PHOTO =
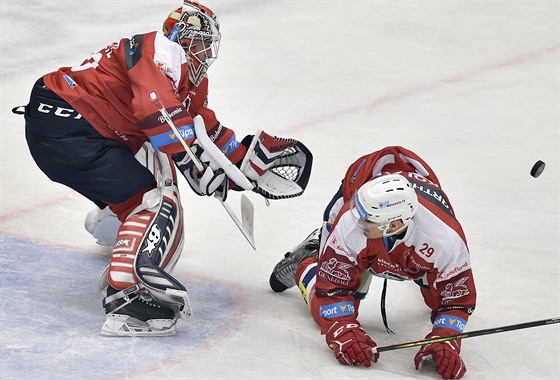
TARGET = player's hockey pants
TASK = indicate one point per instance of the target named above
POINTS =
(71, 152)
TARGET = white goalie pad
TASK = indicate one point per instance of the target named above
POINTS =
(150, 241)
(162, 243)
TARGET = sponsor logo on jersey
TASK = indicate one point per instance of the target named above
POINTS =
(230, 146)
(418, 265)
(393, 267)
(455, 290)
(339, 249)
(450, 322)
(186, 132)
(166, 138)
(335, 271)
(175, 112)
(215, 132)
(335, 310)
(454, 271)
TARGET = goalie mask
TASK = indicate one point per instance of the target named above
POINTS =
(196, 28)
(383, 200)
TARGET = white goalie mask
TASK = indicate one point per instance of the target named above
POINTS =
(196, 28)
(383, 200)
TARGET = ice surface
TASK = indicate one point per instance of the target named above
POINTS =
(472, 87)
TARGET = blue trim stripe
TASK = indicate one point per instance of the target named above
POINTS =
(230, 146)
(360, 207)
(309, 276)
(167, 138)
(174, 34)
(335, 310)
(450, 322)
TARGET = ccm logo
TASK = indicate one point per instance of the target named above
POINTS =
(59, 111)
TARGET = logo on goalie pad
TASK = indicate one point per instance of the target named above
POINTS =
(125, 242)
(152, 239)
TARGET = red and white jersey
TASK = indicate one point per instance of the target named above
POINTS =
(433, 251)
(111, 91)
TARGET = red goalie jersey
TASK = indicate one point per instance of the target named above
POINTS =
(111, 90)
(432, 251)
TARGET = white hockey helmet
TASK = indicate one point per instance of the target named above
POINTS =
(196, 28)
(384, 199)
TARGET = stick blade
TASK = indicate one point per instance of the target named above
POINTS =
(247, 216)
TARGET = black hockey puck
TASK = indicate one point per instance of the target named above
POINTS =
(537, 168)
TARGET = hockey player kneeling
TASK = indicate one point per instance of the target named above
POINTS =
(390, 218)
(94, 129)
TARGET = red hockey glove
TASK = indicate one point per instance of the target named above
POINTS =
(351, 344)
(447, 359)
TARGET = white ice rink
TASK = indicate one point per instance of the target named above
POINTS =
(473, 87)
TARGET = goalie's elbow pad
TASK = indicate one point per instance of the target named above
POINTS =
(279, 167)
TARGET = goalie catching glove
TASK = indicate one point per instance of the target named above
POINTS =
(351, 344)
(278, 167)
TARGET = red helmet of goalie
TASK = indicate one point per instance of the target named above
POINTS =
(196, 28)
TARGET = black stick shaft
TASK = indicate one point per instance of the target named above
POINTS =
(469, 334)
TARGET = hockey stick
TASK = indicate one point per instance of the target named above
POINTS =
(466, 335)
(246, 227)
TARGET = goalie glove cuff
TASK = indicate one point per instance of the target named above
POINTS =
(262, 153)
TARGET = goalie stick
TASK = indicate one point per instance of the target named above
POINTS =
(246, 225)
(470, 334)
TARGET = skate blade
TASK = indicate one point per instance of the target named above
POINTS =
(126, 326)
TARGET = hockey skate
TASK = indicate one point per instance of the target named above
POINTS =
(284, 273)
(130, 313)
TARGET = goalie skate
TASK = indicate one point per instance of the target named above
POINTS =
(124, 325)
(128, 313)
(284, 273)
